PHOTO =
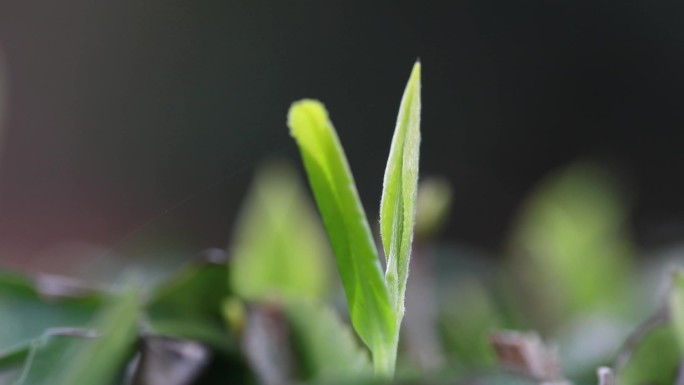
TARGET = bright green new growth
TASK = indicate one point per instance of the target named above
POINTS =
(398, 204)
(376, 304)
(345, 221)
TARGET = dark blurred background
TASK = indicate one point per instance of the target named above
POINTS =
(129, 121)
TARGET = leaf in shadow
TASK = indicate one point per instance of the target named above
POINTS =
(327, 348)
(266, 345)
(170, 361)
(67, 357)
(188, 305)
(29, 306)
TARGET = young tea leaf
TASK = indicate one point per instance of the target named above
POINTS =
(398, 204)
(333, 186)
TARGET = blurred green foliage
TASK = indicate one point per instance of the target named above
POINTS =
(27, 312)
(570, 271)
(285, 264)
(327, 347)
(188, 305)
(279, 249)
(60, 331)
(64, 360)
(466, 328)
(432, 206)
(570, 250)
(655, 359)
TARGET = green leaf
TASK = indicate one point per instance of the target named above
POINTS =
(570, 240)
(27, 311)
(398, 204)
(655, 359)
(467, 324)
(333, 186)
(12, 364)
(327, 348)
(68, 359)
(188, 305)
(43, 354)
(280, 250)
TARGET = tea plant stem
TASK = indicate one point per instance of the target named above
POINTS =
(384, 361)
